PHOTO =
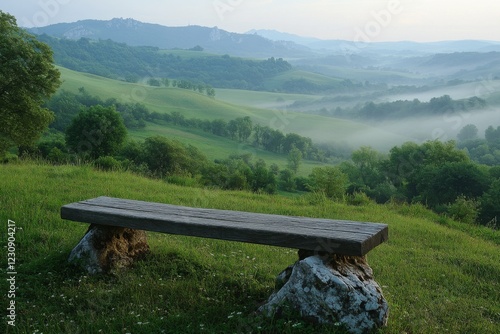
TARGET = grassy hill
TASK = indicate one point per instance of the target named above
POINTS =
(215, 147)
(194, 105)
(437, 275)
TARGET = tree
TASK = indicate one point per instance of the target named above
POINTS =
(329, 180)
(468, 132)
(164, 157)
(294, 159)
(27, 78)
(154, 82)
(245, 127)
(492, 136)
(405, 161)
(442, 185)
(490, 206)
(368, 163)
(96, 131)
(286, 180)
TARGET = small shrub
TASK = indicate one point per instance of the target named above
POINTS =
(107, 163)
(317, 198)
(56, 156)
(358, 199)
(183, 180)
(464, 210)
(9, 158)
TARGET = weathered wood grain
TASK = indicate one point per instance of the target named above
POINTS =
(326, 235)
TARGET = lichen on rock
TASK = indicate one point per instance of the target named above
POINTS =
(331, 289)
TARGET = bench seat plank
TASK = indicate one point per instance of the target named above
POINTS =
(333, 236)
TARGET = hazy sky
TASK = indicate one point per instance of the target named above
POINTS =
(368, 20)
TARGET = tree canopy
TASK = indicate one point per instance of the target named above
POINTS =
(97, 131)
(27, 78)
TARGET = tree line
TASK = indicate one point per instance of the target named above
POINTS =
(184, 84)
(119, 61)
(439, 175)
(482, 150)
(436, 174)
(67, 105)
(404, 108)
(97, 135)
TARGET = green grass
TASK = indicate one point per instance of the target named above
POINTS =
(260, 99)
(372, 75)
(436, 277)
(315, 78)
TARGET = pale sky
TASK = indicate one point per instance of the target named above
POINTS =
(367, 20)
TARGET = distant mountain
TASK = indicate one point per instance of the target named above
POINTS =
(215, 40)
(401, 46)
(275, 35)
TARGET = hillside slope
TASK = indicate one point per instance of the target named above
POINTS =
(193, 105)
(436, 279)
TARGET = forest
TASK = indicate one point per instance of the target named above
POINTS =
(119, 61)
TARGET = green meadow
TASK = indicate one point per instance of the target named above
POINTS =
(439, 276)
(216, 147)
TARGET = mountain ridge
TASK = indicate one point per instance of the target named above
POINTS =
(446, 46)
(254, 43)
(136, 33)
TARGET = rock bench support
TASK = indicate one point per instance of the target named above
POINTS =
(105, 249)
(330, 283)
(330, 288)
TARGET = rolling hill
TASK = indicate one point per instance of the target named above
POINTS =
(194, 105)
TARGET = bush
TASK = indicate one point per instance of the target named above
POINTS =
(464, 210)
(358, 199)
(56, 156)
(107, 163)
(329, 180)
(166, 157)
(490, 206)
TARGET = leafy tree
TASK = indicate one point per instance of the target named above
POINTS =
(210, 91)
(468, 132)
(263, 178)
(154, 82)
(493, 136)
(245, 127)
(96, 131)
(294, 159)
(287, 181)
(328, 180)
(405, 161)
(164, 157)
(232, 129)
(443, 184)
(489, 213)
(368, 163)
(27, 78)
(65, 106)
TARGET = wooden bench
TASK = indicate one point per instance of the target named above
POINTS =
(331, 282)
(312, 234)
